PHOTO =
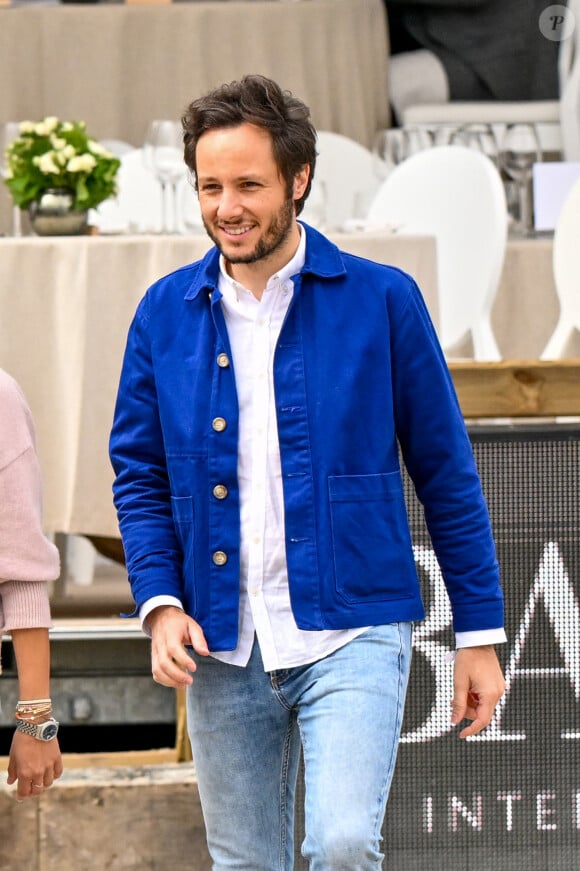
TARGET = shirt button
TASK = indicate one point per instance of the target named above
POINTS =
(220, 558)
(219, 424)
(223, 361)
(220, 491)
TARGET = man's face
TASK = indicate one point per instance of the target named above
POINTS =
(246, 208)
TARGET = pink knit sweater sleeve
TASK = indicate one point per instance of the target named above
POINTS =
(24, 605)
(27, 558)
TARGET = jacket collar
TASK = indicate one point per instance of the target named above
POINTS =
(323, 259)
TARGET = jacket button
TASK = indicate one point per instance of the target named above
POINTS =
(219, 424)
(223, 361)
(220, 558)
(220, 491)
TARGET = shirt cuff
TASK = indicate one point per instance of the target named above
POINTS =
(479, 637)
(156, 602)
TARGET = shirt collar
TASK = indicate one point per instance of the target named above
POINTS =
(229, 287)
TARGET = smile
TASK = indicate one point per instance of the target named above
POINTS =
(236, 231)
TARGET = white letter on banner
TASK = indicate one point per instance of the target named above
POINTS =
(439, 657)
(509, 798)
(551, 585)
(458, 809)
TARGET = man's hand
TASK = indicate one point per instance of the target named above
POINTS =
(171, 630)
(478, 685)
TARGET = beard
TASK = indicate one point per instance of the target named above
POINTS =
(271, 240)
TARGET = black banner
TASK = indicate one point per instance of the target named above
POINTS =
(509, 798)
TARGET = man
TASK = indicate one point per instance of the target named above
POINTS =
(264, 391)
(469, 50)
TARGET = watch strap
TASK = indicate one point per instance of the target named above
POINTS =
(35, 729)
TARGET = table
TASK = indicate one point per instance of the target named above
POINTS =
(119, 66)
(526, 306)
(65, 307)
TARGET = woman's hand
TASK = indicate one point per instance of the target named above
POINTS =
(33, 765)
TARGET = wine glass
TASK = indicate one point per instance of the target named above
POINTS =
(416, 138)
(520, 149)
(444, 134)
(10, 131)
(163, 155)
(190, 206)
(388, 151)
(480, 137)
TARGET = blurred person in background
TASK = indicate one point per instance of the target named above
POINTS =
(28, 560)
(469, 50)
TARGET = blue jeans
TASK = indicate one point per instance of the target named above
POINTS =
(246, 727)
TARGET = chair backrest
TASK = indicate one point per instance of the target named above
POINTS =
(455, 194)
(347, 172)
(118, 147)
(566, 266)
(138, 205)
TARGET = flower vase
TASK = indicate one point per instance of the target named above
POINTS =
(53, 214)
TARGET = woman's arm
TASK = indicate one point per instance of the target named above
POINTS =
(33, 764)
(27, 561)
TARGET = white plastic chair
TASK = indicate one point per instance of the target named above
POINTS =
(118, 147)
(455, 194)
(566, 266)
(346, 170)
(138, 205)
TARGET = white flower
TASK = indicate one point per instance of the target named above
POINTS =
(27, 127)
(46, 127)
(46, 163)
(83, 163)
(69, 151)
(97, 148)
(57, 143)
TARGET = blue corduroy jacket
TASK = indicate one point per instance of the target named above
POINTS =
(358, 370)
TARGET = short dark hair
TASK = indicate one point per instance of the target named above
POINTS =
(260, 101)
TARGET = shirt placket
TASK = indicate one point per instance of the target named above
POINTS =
(262, 408)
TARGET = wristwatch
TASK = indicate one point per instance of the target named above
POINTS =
(42, 731)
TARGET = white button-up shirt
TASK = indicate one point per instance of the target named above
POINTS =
(265, 612)
(253, 328)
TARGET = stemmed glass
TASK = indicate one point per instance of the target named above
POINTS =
(388, 151)
(163, 155)
(10, 131)
(520, 149)
(480, 137)
(416, 138)
(190, 207)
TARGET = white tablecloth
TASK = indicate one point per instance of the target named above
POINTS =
(118, 66)
(65, 307)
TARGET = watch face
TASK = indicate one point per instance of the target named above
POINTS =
(49, 731)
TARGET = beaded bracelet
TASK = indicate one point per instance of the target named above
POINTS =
(28, 702)
(33, 709)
